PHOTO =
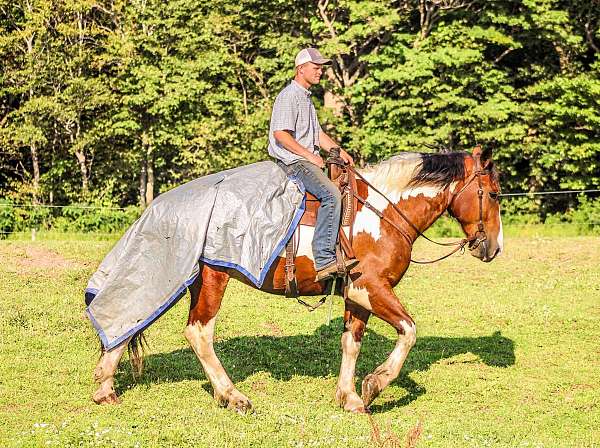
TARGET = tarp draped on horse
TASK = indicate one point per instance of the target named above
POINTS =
(239, 219)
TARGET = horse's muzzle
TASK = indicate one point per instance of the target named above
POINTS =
(484, 252)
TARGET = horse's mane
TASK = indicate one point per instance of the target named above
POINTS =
(411, 169)
(440, 169)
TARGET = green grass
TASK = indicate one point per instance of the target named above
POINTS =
(507, 355)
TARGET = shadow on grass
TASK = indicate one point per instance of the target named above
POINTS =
(319, 355)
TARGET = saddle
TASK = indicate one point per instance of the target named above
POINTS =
(344, 178)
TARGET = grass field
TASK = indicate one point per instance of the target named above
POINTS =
(508, 355)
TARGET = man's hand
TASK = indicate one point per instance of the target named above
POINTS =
(346, 157)
(327, 143)
(316, 159)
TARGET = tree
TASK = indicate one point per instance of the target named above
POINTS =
(27, 51)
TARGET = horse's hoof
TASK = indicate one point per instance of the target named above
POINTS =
(370, 389)
(350, 402)
(235, 401)
(110, 398)
(242, 406)
(357, 410)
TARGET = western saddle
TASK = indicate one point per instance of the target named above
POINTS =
(342, 176)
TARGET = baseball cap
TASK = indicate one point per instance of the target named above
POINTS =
(310, 55)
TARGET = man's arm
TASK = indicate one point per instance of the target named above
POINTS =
(326, 142)
(288, 142)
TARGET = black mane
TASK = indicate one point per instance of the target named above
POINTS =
(440, 169)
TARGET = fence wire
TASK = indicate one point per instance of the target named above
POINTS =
(94, 207)
(547, 193)
(77, 207)
(104, 234)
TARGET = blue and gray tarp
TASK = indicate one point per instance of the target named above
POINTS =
(240, 218)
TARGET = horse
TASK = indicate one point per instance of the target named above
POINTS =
(402, 196)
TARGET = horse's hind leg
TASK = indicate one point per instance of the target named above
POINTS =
(355, 321)
(104, 374)
(207, 292)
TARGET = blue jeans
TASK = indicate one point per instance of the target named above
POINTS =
(328, 217)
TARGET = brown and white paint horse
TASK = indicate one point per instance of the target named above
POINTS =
(423, 186)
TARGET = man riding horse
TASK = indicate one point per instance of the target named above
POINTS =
(398, 199)
(295, 137)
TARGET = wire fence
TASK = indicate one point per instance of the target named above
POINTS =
(98, 207)
(75, 207)
(548, 193)
(35, 226)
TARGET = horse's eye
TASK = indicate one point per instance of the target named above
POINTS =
(494, 195)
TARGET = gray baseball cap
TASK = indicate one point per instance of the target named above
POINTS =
(310, 55)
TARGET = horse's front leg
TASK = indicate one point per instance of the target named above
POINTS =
(385, 305)
(355, 321)
(206, 294)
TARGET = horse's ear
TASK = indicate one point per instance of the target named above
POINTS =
(484, 155)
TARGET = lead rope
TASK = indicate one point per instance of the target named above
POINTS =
(323, 299)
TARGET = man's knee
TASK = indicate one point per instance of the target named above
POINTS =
(333, 194)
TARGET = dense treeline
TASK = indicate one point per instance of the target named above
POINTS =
(114, 101)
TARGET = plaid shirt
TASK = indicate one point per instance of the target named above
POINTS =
(294, 111)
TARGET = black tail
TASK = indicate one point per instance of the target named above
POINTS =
(137, 350)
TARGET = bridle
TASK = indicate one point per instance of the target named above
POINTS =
(480, 236)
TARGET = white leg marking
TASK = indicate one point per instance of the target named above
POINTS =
(346, 394)
(200, 338)
(104, 374)
(390, 369)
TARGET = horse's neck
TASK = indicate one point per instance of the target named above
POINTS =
(423, 210)
(421, 205)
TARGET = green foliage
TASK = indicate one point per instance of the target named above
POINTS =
(79, 218)
(144, 95)
(521, 210)
(585, 218)
(445, 227)
(7, 218)
(73, 218)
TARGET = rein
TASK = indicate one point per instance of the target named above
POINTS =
(473, 242)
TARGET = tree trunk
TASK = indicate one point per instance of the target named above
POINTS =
(81, 159)
(564, 60)
(36, 172)
(143, 179)
(147, 174)
(333, 101)
(149, 180)
(35, 161)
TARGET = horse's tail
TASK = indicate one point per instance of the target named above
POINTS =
(137, 350)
